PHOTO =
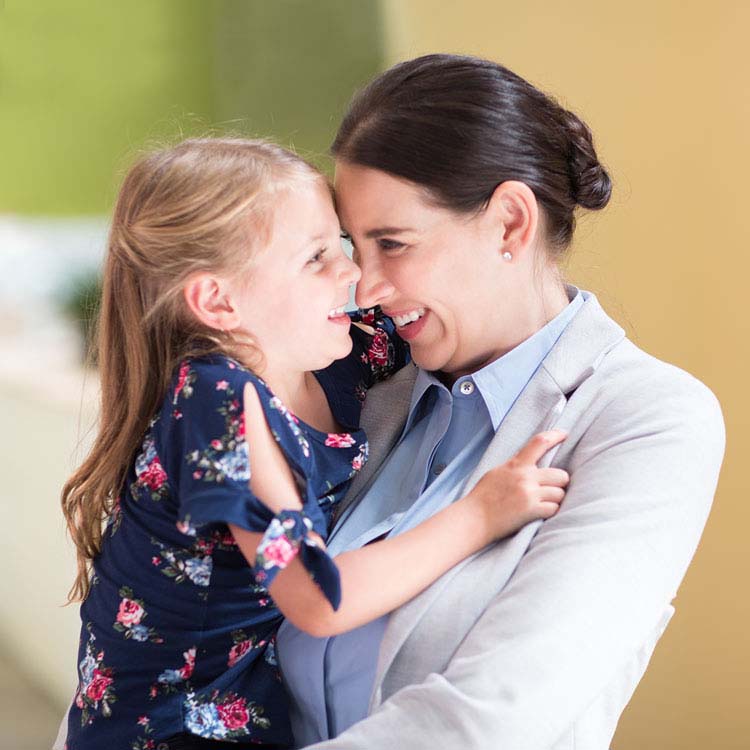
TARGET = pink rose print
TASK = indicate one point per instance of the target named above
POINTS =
(339, 440)
(154, 476)
(205, 546)
(238, 651)
(98, 686)
(186, 670)
(358, 462)
(216, 445)
(378, 351)
(280, 551)
(241, 428)
(181, 379)
(225, 538)
(234, 715)
(130, 613)
(143, 720)
(222, 385)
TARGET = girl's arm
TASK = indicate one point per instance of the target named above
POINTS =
(380, 577)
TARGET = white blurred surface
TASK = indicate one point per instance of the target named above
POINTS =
(48, 406)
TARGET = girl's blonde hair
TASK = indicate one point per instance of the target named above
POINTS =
(203, 205)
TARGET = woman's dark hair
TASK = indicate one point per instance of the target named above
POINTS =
(460, 126)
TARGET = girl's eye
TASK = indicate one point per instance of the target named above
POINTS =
(318, 257)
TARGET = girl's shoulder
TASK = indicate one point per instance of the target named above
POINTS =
(209, 392)
(214, 372)
(213, 380)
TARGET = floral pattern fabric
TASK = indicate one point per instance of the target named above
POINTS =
(288, 537)
(178, 631)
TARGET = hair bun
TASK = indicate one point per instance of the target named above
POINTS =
(591, 185)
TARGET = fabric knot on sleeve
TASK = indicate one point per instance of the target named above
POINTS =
(286, 537)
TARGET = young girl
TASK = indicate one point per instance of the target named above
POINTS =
(231, 393)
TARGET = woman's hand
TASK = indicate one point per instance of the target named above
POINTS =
(519, 491)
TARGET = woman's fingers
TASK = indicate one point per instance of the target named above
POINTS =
(532, 452)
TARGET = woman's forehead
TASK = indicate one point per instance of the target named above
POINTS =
(375, 200)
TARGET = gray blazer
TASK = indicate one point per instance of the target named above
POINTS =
(538, 642)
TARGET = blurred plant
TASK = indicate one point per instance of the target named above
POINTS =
(80, 303)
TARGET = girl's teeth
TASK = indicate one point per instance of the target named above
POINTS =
(335, 313)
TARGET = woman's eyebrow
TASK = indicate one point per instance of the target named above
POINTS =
(374, 234)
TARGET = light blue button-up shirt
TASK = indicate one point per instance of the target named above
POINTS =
(447, 431)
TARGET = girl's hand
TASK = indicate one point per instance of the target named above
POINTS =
(519, 491)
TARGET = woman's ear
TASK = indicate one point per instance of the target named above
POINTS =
(209, 298)
(514, 206)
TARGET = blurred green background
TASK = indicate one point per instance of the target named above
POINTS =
(84, 84)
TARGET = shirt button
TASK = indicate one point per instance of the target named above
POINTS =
(439, 469)
(467, 388)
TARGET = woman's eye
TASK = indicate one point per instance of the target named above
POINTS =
(385, 244)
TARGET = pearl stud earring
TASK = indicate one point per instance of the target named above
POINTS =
(507, 256)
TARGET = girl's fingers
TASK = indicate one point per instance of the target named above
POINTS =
(555, 477)
(548, 494)
(547, 510)
(532, 452)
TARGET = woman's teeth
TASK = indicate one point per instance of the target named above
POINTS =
(337, 311)
(403, 320)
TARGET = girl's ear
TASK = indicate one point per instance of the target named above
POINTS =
(515, 208)
(209, 298)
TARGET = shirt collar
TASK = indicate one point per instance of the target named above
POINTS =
(501, 382)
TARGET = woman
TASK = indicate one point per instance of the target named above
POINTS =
(458, 183)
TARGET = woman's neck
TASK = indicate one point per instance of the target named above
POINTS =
(531, 311)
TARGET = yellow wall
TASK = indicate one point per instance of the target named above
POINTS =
(664, 87)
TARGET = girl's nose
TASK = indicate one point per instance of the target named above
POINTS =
(373, 288)
(351, 273)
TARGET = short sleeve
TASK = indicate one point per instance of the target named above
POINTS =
(207, 456)
(208, 462)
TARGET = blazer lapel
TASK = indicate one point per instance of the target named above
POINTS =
(536, 409)
(575, 356)
(383, 416)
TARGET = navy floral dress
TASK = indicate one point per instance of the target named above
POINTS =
(178, 630)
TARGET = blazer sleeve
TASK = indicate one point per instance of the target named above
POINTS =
(589, 591)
